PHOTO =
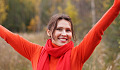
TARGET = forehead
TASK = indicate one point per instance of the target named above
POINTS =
(64, 23)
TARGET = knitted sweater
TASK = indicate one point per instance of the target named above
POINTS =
(79, 54)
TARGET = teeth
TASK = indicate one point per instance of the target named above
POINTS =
(63, 39)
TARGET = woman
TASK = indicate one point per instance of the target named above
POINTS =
(58, 52)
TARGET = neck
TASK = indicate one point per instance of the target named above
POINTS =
(55, 46)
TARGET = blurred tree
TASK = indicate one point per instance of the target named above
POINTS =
(93, 12)
(35, 27)
(33, 24)
(72, 12)
(44, 12)
(19, 15)
(3, 11)
(84, 12)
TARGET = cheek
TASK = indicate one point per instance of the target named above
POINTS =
(56, 34)
(70, 35)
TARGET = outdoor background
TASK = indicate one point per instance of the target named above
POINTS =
(29, 18)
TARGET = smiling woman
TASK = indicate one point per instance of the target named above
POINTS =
(52, 25)
(59, 52)
(62, 33)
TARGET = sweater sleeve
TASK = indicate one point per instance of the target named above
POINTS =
(94, 36)
(22, 46)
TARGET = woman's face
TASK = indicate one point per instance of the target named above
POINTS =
(63, 33)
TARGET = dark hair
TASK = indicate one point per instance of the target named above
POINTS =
(52, 24)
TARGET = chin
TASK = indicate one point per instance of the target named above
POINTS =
(62, 44)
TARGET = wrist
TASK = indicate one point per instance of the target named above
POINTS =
(115, 8)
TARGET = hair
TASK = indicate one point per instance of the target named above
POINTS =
(52, 24)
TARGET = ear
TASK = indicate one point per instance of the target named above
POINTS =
(49, 33)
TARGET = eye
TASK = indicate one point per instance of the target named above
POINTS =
(60, 29)
(68, 30)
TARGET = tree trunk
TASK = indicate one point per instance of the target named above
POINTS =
(38, 9)
(93, 12)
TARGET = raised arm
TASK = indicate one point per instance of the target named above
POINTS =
(25, 48)
(94, 36)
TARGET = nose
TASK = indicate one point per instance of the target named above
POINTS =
(64, 33)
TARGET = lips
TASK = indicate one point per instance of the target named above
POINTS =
(63, 39)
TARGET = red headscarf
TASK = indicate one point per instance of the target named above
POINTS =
(64, 52)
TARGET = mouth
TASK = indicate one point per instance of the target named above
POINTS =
(63, 39)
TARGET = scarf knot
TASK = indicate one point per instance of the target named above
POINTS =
(63, 52)
(57, 52)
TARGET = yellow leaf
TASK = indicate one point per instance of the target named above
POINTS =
(3, 12)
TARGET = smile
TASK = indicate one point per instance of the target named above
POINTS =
(63, 39)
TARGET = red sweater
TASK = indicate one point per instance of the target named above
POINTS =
(79, 53)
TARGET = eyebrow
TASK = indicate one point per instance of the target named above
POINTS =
(63, 27)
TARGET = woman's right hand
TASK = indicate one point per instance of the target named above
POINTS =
(117, 4)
